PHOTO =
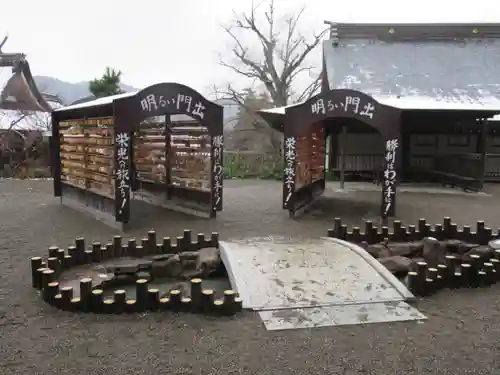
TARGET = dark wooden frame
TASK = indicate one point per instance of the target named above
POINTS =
(495, 140)
(435, 142)
(458, 144)
(333, 104)
(403, 32)
(128, 112)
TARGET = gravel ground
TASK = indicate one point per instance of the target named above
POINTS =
(462, 334)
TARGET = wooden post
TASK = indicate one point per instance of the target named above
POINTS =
(405, 157)
(122, 155)
(328, 150)
(290, 171)
(481, 149)
(134, 181)
(55, 151)
(343, 138)
(334, 150)
(217, 172)
(168, 164)
(390, 177)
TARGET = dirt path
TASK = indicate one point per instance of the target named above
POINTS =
(462, 335)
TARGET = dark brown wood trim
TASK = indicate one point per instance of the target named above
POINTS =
(415, 31)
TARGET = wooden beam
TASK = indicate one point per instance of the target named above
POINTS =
(343, 137)
(481, 149)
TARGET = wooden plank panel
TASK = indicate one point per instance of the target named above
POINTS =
(87, 148)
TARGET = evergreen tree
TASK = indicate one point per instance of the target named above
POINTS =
(108, 84)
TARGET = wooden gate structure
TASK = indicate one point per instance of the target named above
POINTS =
(100, 149)
(305, 130)
(306, 126)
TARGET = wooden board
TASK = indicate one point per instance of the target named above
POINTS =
(311, 152)
(87, 149)
(188, 159)
(149, 154)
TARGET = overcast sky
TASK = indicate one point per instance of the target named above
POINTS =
(153, 41)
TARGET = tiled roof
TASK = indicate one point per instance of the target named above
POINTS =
(442, 69)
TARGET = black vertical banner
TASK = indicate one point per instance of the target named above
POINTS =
(123, 145)
(134, 181)
(391, 157)
(217, 171)
(289, 172)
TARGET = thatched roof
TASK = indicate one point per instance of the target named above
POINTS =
(18, 90)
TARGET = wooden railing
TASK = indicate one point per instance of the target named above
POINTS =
(422, 162)
(360, 163)
(463, 165)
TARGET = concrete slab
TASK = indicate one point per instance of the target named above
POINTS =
(155, 200)
(285, 273)
(416, 188)
(314, 282)
(378, 312)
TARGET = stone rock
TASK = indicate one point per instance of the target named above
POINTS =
(106, 284)
(191, 274)
(162, 257)
(464, 247)
(125, 269)
(406, 249)
(160, 269)
(189, 264)
(174, 266)
(433, 252)
(110, 268)
(451, 246)
(188, 255)
(378, 250)
(220, 271)
(124, 279)
(145, 265)
(495, 244)
(209, 262)
(417, 259)
(397, 265)
(485, 252)
(100, 276)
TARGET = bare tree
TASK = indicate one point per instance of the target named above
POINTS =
(278, 63)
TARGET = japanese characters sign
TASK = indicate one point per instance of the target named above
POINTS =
(179, 103)
(218, 172)
(289, 172)
(389, 178)
(349, 104)
(122, 172)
